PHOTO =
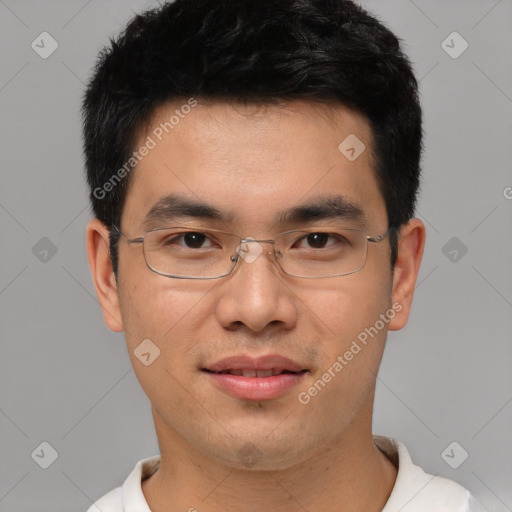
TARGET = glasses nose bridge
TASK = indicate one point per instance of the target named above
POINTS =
(244, 252)
(258, 241)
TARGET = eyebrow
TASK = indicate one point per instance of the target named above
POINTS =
(325, 208)
(173, 207)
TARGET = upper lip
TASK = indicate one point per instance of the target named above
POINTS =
(245, 362)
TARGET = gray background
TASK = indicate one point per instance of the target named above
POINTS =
(67, 380)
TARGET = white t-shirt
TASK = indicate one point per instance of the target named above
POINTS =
(414, 490)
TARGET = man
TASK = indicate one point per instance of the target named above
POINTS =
(253, 169)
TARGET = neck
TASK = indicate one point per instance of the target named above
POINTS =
(351, 475)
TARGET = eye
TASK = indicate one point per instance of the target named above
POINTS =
(319, 240)
(189, 240)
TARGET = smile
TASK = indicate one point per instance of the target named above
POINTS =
(263, 378)
(255, 373)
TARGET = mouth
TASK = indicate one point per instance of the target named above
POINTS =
(263, 378)
(249, 372)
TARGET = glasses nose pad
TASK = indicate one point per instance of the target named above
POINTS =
(249, 249)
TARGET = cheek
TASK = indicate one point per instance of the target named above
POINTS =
(171, 315)
(352, 339)
(347, 306)
(351, 334)
(158, 320)
(167, 311)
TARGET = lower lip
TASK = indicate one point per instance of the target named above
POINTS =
(256, 388)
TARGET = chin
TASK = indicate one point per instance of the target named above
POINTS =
(262, 449)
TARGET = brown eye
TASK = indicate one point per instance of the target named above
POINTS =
(317, 240)
(187, 240)
(194, 240)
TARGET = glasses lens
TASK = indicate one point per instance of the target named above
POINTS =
(196, 253)
(323, 252)
(189, 252)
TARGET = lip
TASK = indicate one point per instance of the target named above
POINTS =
(267, 362)
(256, 387)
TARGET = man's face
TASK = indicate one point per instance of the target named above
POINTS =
(251, 164)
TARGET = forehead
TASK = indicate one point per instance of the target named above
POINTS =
(252, 162)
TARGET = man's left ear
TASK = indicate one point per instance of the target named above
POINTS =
(411, 241)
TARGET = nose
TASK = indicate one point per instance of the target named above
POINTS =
(256, 295)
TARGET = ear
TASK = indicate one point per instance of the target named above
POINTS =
(411, 242)
(102, 272)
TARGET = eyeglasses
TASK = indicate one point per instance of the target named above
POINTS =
(199, 253)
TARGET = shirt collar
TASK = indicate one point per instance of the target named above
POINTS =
(133, 498)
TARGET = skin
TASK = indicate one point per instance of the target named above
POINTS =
(252, 162)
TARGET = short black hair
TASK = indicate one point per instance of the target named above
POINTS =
(253, 51)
